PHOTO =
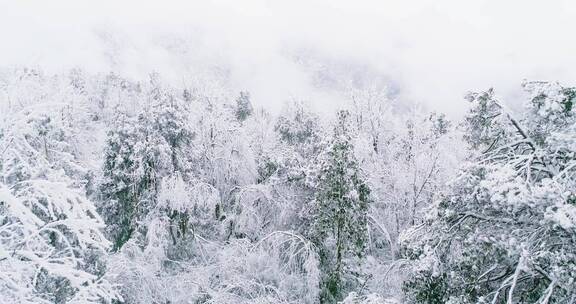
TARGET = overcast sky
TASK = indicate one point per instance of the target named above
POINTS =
(431, 52)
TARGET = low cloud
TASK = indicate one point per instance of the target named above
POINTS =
(430, 52)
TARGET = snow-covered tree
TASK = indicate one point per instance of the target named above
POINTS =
(340, 215)
(139, 152)
(123, 183)
(243, 106)
(504, 231)
(52, 246)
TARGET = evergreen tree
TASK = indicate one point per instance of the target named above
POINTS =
(139, 153)
(123, 183)
(340, 214)
(243, 106)
(297, 126)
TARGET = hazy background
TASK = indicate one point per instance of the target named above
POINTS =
(431, 52)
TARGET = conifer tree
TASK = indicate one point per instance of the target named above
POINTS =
(340, 215)
(123, 183)
(243, 106)
(139, 153)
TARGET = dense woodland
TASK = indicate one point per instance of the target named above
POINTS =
(121, 191)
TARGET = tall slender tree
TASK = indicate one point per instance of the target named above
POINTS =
(340, 215)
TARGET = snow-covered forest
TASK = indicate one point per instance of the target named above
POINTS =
(119, 191)
(287, 152)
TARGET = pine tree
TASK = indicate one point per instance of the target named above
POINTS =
(139, 153)
(340, 215)
(243, 106)
(123, 183)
